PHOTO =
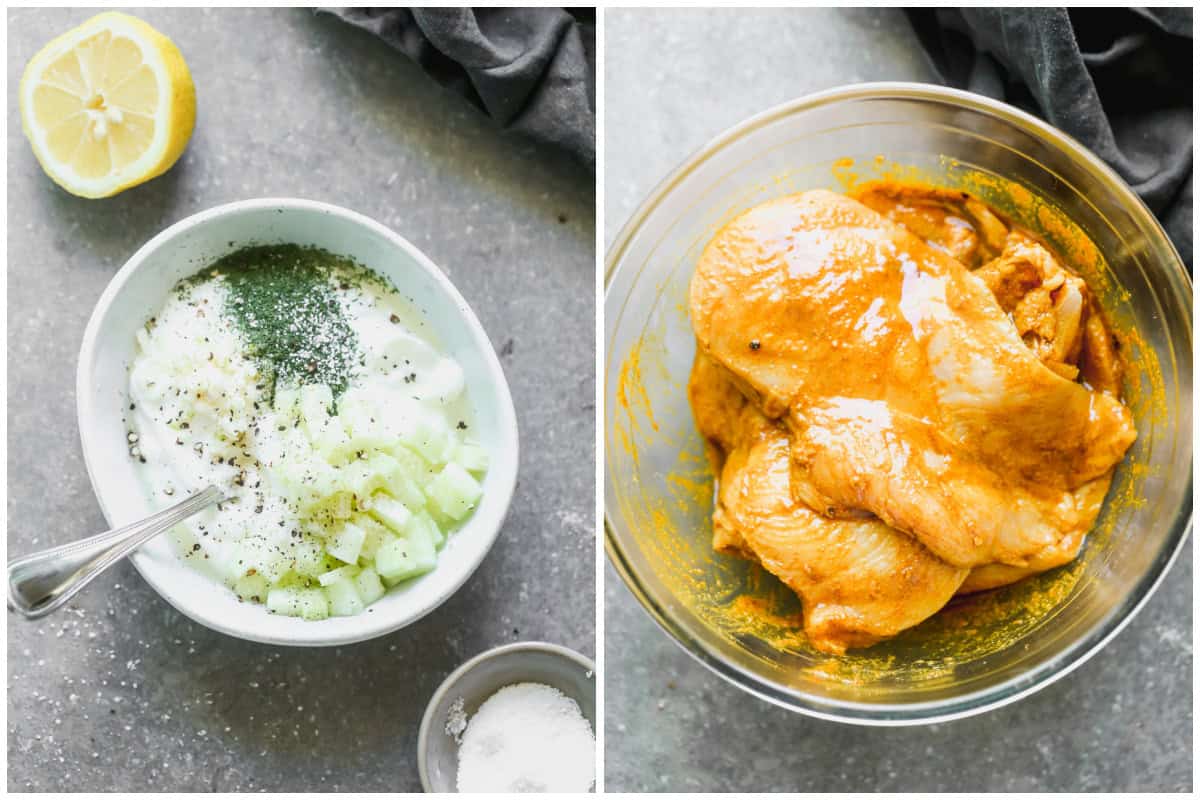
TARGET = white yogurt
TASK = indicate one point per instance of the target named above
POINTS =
(200, 413)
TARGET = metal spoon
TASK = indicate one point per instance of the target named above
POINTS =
(40, 583)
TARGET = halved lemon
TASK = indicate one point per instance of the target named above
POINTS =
(107, 105)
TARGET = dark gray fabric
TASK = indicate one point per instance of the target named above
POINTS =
(532, 70)
(1117, 79)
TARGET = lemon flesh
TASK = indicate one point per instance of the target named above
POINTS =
(107, 105)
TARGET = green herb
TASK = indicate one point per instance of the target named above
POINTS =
(284, 301)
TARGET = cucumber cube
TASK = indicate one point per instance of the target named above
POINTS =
(316, 402)
(305, 481)
(313, 604)
(343, 598)
(429, 436)
(411, 462)
(425, 523)
(405, 558)
(331, 439)
(377, 535)
(252, 587)
(359, 416)
(380, 471)
(346, 544)
(472, 457)
(455, 492)
(390, 512)
(310, 604)
(253, 553)
(285, 601)
(340, 505)
(307, 556)
(287, 401)
(340, 574)
(405, 489)
(369, 587)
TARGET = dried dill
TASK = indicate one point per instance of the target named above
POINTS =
(284, 302)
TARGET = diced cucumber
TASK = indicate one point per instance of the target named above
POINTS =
(287, 401)
(429, 436)
(377, 535)
(412, 463)
(390, 512)
(376, 490)
(472, 457)
(340, 505)
(359, 415)
(343, 598)
(311, 604)
(425, 523)
(443, 520)
(455, 492)
(252, 587)
(331, 439)
(405, 558)
(316, 404)
(364, 477)
(252, 553)
(284, 600)
(405, 489)
(397, 478)
(307, 556)
(307, 482)
(369, 587)
(314, 604)
(340, 574)
(347, 543)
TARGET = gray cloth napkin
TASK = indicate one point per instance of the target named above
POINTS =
(1117, 79)
(532, 70)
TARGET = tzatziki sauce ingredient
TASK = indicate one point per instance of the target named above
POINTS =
(527, 737)
(306, 388)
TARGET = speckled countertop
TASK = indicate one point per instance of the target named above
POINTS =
(121, 693)
(1120, 722)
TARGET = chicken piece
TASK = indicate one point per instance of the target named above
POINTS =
(1089, 498)
(859, 581)
(1100, 365)
(904, 386)
(1048, 304)
(951, 221)
(857, 455)
(717, 405)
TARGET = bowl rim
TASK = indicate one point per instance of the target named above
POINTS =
(558, 650)
(981, 700)
(86, 413)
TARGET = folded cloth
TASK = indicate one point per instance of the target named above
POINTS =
(532, 70)
(1117, 79)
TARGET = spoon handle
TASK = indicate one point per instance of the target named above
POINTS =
(41, 582)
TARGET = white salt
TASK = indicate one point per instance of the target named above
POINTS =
(527, 737)
(456, 720)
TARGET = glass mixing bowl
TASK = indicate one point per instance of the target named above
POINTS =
(982, 651)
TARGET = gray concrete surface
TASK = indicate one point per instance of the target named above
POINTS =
(120, 692)
(1123, 721)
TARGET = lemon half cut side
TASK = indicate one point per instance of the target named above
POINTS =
(107, 105)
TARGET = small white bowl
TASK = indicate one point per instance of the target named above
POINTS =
(139, 290)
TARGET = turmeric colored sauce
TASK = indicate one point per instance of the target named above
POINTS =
(749, 606)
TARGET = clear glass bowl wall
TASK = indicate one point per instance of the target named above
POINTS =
(741, 622)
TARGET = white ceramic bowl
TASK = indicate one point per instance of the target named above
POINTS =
(139, 290)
